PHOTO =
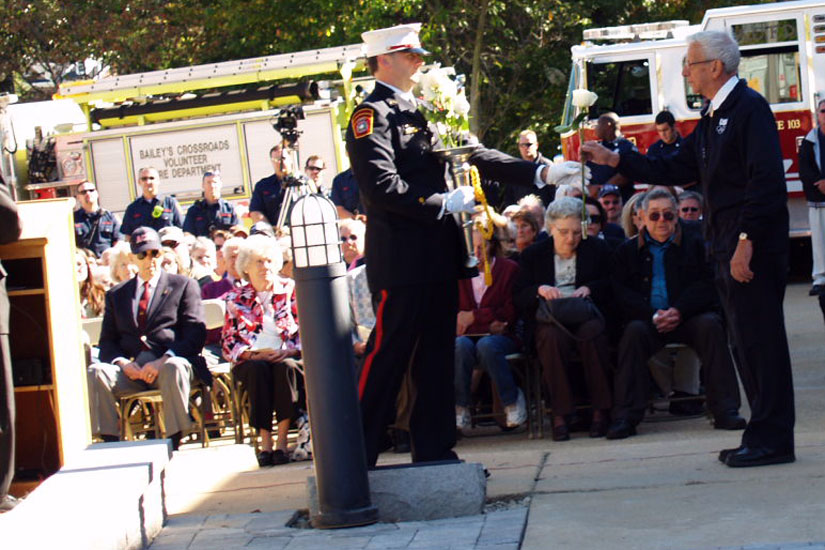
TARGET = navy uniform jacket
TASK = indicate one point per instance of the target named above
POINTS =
(400, 180)
(267, 197)
(202, 217)
(97, 231)
(660, 149)
(345, 192)
(514, 193)
(141, 213)
(736, 157)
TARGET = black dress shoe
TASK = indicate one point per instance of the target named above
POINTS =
(723, 454)
(279, 457)
(598, 428)
(816, 290)
(621, 429)
(561, 433)
(729, 421)
(758, 456)
(400, 441)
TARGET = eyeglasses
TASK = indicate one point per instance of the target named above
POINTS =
(150, 253)
(86, 191)
(688, 64)
(351, 238)
(315, 168)
(526, 144)
(596, 218)
(668, 216)
(686, 209)
(170, 244)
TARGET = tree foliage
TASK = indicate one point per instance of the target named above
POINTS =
(516, 53)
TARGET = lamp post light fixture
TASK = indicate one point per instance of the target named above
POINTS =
(323, 310)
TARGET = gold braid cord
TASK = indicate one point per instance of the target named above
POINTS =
(485, 228)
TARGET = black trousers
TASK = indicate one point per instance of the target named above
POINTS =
(757, 325)
(640, 341)
(268, 389)
(414, 329)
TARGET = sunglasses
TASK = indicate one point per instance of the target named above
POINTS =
(596, 218)
(314, 168)
(86, 191)
(150, 253)
(526, 144)
(351, 237)
(668, 216)
(686, 209)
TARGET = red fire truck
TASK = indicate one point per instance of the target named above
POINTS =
(636, 71)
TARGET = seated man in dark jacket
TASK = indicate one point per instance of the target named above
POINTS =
(153, 330)
(664, 286)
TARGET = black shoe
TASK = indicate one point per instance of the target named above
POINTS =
(723, 454)
(265, 459)
(816, 290)
(175, 437)
(401, 441)
(109, 438)
(279, 457)
(598, 428)
(561, 433)
(729, 421)
(621, 429)
(758, 456)
(686, 407)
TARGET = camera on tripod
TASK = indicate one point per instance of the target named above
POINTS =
(286, 124)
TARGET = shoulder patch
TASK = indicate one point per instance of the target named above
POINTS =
(362, 122)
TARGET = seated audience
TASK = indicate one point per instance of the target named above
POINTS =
(664, 286)
(204, 261)
(172, 237)
(690, 206)
(92, 292)
(260, 336)
(484, 329)
(598, 225)
(526, 229)
(352, 233)
(611, 199)
(566, 266)
(152, 333)
(231, 278)
(533, 205)
(121, 267)
(631, 221)
(170, 262)
(566, 190)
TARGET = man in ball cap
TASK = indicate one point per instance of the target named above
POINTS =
(415, 254)
(153, 332)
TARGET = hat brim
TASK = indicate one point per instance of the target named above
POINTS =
(143, 247)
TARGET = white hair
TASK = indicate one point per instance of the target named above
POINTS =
(563, 207)
(718, 45)
(258, 246)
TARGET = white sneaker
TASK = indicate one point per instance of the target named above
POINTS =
(517, 412)
(462, 417)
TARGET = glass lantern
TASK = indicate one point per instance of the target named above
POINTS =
(313, 222)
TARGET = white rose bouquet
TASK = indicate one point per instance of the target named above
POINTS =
(582, 100)
(445, 104)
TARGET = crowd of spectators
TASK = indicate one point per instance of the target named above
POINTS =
(542, 250)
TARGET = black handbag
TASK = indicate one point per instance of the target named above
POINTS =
(567, 313)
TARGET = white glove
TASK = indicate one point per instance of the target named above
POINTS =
(566, 173)
(460, 199)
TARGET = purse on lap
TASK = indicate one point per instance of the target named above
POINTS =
(567, 313)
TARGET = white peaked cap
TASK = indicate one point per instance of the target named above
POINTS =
(401, 38)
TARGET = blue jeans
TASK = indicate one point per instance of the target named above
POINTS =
(488, 353)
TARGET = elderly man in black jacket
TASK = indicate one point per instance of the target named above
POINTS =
(153, 332)
(734, 153)
(664, 288)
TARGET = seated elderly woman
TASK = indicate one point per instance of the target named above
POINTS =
(352, 233)
(260, 336)
(485, 335)
(566, 266)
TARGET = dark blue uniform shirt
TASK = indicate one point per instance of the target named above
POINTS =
(267, 197)
(144, 213)
(600, 173)
(96, 231)
(202, 217)
(660, 149)
(345, 192)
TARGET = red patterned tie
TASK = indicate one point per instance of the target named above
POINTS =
(143, 306)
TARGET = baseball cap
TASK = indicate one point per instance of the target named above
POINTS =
(401, 38)
(171, 233)
(143, 239)
(609, 189)
(262, 228)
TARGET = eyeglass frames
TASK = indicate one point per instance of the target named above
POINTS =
(688, 209)
(668, 216)
(151, 253)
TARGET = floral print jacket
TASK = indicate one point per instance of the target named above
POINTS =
(245, 314)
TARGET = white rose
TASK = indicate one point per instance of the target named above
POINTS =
(462, 106)
(584, 98)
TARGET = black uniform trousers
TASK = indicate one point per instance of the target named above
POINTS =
(640, 341)
(267, 385)
(757, 325)
(414, 329)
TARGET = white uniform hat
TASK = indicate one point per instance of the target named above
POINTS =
(401, 38)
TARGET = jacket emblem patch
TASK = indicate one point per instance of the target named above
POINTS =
(362, 123)
(722, 126)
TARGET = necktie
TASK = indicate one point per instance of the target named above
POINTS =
(143, 306)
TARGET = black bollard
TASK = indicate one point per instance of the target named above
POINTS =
(324, 318)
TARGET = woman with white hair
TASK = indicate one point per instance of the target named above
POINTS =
(260, 336)
(566, 266)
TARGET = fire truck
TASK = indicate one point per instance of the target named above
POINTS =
(636, 72)
(189, 120)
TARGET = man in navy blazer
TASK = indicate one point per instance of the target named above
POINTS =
(153, 331)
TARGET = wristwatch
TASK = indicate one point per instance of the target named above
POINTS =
(743, 236)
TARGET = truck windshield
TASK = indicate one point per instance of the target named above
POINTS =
(623, 87)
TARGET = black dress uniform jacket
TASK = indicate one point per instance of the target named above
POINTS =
(400, 181)
(202, 217)
(141, 213)
(96, 231)
(809, 172)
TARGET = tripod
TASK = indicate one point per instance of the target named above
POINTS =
(294, 186)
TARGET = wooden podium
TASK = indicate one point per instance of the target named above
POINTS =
(47, 353)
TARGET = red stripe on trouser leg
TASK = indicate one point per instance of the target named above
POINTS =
(379, 340)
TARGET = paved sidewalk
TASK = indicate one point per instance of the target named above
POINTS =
(499, 530)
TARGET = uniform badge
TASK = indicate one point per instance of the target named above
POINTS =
(723, 124)
(362, 123)
(409, 129)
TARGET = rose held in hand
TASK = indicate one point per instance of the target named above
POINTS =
(584, 98)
